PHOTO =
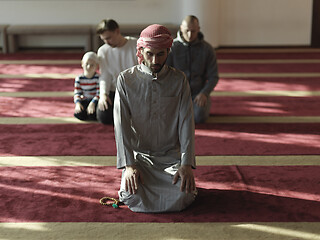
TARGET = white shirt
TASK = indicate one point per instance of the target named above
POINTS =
(115, 60)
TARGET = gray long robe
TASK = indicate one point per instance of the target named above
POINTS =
(154, 130)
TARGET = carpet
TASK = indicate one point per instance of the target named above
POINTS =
(267, 83)
(31, 85)
(226, 194)
(211, 139)
(257, 179)
(221, 106)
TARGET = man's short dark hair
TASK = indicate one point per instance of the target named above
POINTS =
(107, 25)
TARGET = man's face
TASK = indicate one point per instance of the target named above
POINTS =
(190, 30)
(154, 59)
(111, 37)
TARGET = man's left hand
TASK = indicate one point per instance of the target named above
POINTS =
(187, 179)
(201, 100)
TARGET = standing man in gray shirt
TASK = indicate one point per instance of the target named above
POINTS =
(194, 56)
(154, 129)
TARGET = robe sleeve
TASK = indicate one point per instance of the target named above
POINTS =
(186, 127)
(122, 125)
(105, 77)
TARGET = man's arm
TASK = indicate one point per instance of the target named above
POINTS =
(186, 126)
(122, 126)
(77, 92)
(186, 137)
(212, 73)
(123, 135)
(104, 82)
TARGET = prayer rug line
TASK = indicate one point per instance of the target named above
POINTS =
(115, 231)
(272, 160)
(220, 61)
(222, 75)
(270, 75)
(267, 61)
(269, 50)
(41, 62)
(214, 93)
(214, 119)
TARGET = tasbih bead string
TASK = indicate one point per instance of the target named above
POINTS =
(106, 201)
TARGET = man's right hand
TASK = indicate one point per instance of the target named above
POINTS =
(103, 102)
(132, 176)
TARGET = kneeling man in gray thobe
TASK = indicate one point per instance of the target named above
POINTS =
(154, 129)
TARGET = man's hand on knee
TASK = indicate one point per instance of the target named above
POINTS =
(103, 102)
(201, 100)
(132, 176)
(187, 179)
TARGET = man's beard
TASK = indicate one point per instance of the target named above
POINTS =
(155, 68)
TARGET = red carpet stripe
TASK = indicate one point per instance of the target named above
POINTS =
(226, 194)
(45, 107)
(43, 54)
(275, 68)
(225, 84)
(23, 85)
(265, 106)
(211, 139)
(268, 55)
(221, 106)
(39, 69)
(224, 68)
(265, 84)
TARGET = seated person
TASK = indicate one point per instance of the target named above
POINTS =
(154, 129)
(194, 56)
(86, 88)
(116, 55)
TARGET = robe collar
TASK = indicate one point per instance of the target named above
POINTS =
(155, 76)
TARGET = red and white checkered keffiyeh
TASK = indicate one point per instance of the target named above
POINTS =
(154, 36)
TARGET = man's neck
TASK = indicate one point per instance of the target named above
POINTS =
(122, 41)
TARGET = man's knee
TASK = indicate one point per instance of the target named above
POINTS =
(105, 117)
(201, 114)
(81, 115)
(199, 118)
